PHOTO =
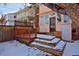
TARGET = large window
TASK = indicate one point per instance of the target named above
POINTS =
(66, 18)
(42, 17)
(46, 18)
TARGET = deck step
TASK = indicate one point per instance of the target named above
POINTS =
(45, 43)
(48, 50)
(60, 46)
(49, 37)
(57, 50)
(39, 44)
(49, 43)
(53, 41)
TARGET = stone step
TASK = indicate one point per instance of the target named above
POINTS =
(43, 36)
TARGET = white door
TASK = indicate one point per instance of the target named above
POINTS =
(44, 24)
(66, 32)
(66, 28)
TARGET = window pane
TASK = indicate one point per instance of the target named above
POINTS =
(66, 18)
(46, 17)
(59, 17)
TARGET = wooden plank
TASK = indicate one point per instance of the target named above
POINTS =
(49, 44)
(51, 51)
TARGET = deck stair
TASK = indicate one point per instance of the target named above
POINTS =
(52, 45)
(45, 37)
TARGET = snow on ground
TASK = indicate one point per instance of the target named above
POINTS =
(14, 48)
(45, 36)
(60, 46)
(55, 40)
(71, 49)
(43, 45)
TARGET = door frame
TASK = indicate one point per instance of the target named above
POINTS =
(50, 22)
(53, 14)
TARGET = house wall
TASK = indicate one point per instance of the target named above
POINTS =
(43, 11)
(43, 24)
(59, 24)
(64, 27)
(10, 23)
(21, 15)
(24, 13)
(10, 16)
(29, 14)
(9, 19)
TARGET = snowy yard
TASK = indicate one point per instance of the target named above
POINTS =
(14, 48)
(72, 49)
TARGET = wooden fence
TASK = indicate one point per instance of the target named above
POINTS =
(6, 33)
(21, 31)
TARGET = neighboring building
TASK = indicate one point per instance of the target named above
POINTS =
(24, 14)
(28, 14)
(10, 18)
(50, 21)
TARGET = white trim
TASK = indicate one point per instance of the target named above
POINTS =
(53, 15)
